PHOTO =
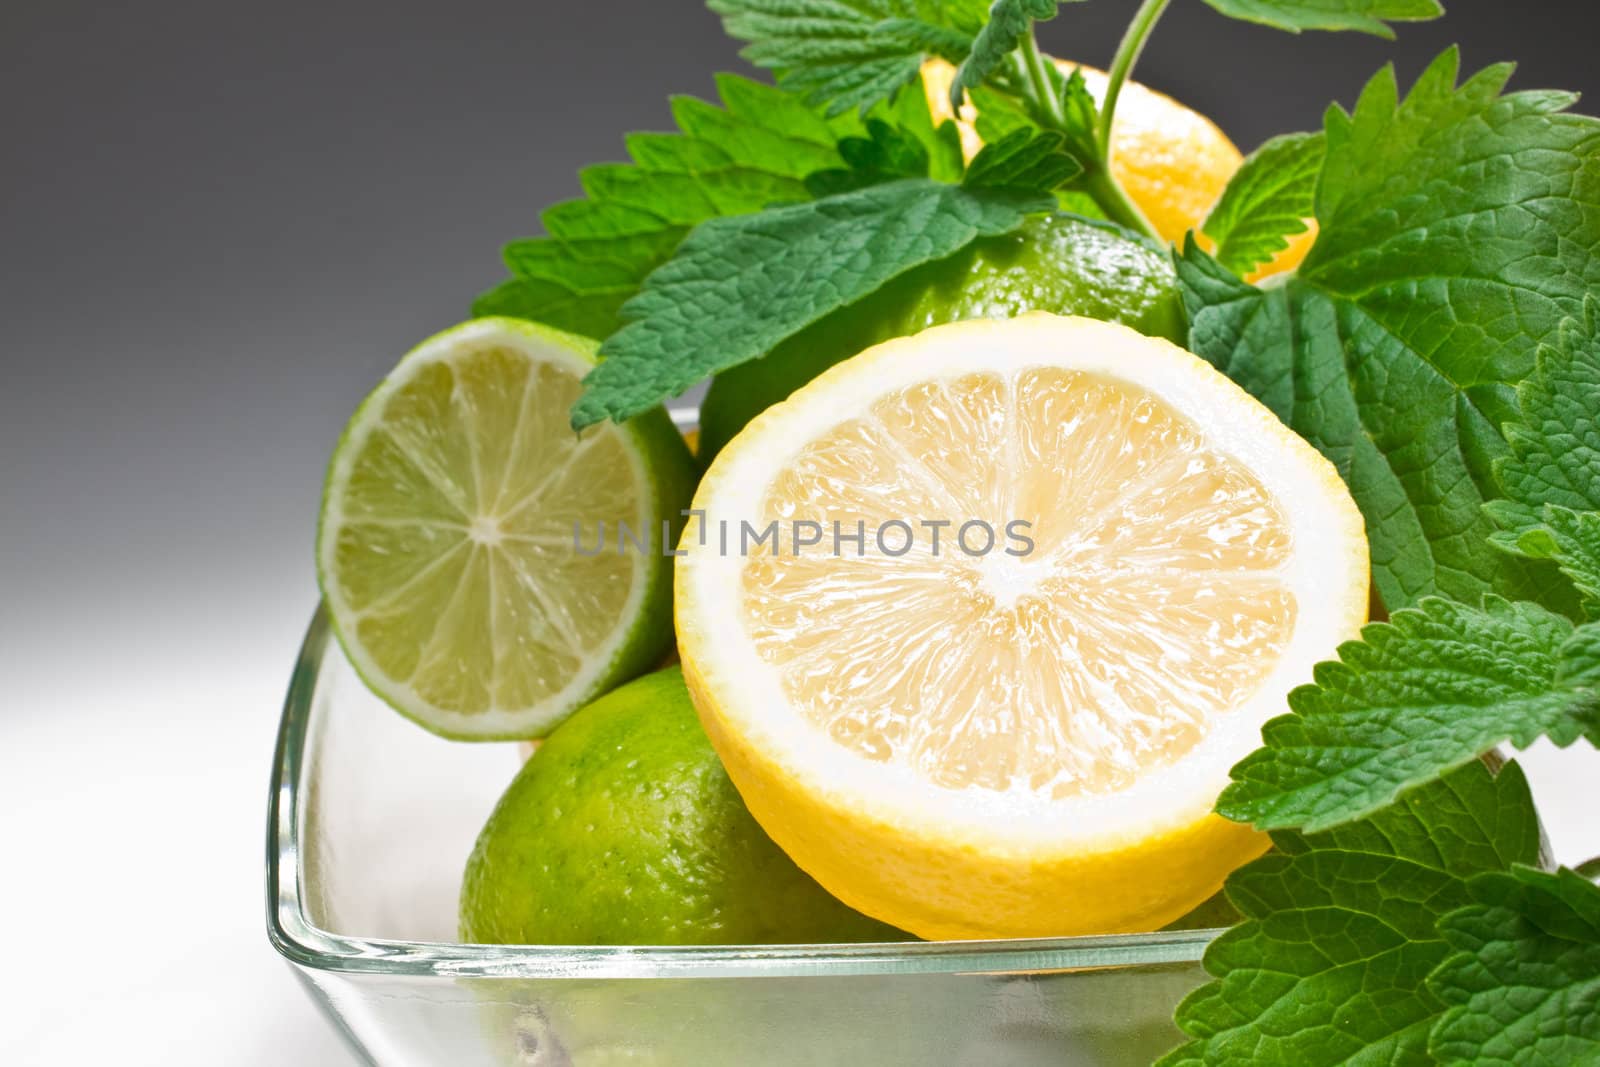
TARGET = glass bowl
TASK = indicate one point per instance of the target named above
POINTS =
(370, 821)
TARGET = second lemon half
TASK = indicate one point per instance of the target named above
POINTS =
(979, 620)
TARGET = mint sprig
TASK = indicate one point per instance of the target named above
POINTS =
(664, 346)
(850, 53)
(1367, 16)
(753, 152)
(1422, 694)
(1266, 202)
(1523, 986)
(1396, 347)
(1341, 929)
(738, 286)
(1442, 683)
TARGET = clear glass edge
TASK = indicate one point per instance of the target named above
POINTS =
(304, 944)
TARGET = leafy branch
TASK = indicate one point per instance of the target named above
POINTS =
(741, 283)
(1502, 962)
(1397, 345)
(1006, 61)
(1341, 929)
(1444, 682)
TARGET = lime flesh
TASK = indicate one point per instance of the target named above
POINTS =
(452, 519)
(1058, 263)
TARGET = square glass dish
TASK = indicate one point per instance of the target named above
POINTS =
(370, 823)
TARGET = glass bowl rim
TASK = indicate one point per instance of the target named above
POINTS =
(302, 942)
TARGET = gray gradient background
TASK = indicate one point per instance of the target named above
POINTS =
(220, 224)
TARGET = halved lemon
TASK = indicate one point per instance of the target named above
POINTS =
(488, 570)
(1020, 734)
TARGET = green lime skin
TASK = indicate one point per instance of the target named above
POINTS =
(1060, 263)
(623, 829)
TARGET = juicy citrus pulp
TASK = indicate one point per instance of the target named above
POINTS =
(624, 829)
(447, 547)
(974, 743)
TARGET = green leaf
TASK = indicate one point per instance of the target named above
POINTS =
(1367, 16)
(738, 286)
(850, 53)
(1266, 202)
(901, 142)
(752, 153)
(886, 154)
(1552, 477)
(1430, 690)
(1523, 986)
(1079, 109)
(1458, 229)
(1570, 538)
(910, 113)
(1025, 160)
(1009, 22)
(1555, 438)
(1001, 115)
(1340, 932)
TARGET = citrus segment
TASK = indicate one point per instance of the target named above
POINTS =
(1018, 729)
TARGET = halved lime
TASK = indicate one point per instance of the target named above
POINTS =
(487, 569)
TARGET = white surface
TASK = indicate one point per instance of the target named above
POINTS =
(133, 796)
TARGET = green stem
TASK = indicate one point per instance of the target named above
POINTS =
(1109, 195)
(1039, 81)
(1144, 21)
(1098, 181)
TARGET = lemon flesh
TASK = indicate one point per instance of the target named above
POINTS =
(454, 509)
(982, 744)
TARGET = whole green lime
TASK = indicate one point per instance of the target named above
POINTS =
(623, 829)
(1060, 263)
